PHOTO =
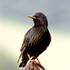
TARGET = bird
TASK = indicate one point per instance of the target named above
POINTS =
(36, 40)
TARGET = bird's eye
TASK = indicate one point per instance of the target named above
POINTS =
(36, 16)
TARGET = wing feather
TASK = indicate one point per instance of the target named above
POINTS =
(33, 36)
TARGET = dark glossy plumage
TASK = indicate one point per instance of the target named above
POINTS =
(36, 40)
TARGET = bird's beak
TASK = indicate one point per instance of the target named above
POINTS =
(31, 17)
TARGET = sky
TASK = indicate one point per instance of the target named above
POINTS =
(14, 24)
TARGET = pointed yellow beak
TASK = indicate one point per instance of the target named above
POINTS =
(31, 17)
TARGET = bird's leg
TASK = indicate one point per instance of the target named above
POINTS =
(33, 58)
(30, 57)
(38, 61)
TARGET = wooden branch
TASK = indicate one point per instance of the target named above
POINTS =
(33, 65)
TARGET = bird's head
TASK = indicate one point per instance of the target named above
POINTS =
(39, 19)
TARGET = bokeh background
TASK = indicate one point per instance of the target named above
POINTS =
(14, 24)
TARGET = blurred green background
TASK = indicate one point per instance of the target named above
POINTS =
(14, 24)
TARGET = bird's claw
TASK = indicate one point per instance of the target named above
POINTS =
(35, 60)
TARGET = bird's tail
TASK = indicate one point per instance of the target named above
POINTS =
(24, 57)
(24, 60)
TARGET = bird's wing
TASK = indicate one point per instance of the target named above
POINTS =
(37, 34)
(33, 36)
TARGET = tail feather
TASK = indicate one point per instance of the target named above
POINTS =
(21, 54)
(24, 58)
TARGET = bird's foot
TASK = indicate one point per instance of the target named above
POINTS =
(38, 61)
(34, 59)
(31, 57)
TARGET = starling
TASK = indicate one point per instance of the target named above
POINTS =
(36, 40)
